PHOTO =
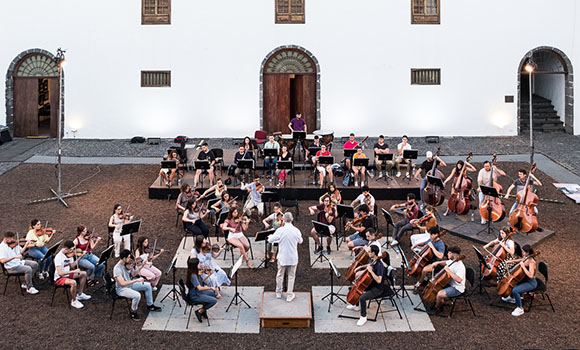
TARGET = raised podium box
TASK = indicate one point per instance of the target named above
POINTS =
(278, 313)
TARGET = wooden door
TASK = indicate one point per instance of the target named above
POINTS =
(306, 98)
(25, 107)
(276, 100)
(54, 105)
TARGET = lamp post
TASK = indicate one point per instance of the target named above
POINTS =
(530, 67)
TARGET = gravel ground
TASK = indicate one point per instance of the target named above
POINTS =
(32, 320)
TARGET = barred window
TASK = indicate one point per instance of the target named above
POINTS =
(425, 12)
(160, 78)
(290, 11)
(156, 12)
(426, 76)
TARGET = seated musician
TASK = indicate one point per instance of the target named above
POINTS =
(208, 155)
(250, 146)
(199, 293)
(282, 173)
(212, 275)
(193, 218)
(11, 256)
(185, 195)
(274, 221)
(327, 215)
(510, 248)
(529, 282)
(365, 198)
(359, 169)
(382, 165)
(64, 276)
(38, 238)
(350, 144)
(425, 168)
(234, 227)
(241, 154)
(225, 203)
(424, 224)
(401, 148)
(116, 221)
(130, 288)
(144, 256)
(333, 193)
(484, 178)
(455, 172)
(254, 200)
(456, 271)
(166, 173)
(366, 222)
(315, 143)
(215, 190)
(519, 184)
(372, 237)
(270, 162)
(85, 243)
(376, 288)
(411, 212)
(323, 169)
(437, 249)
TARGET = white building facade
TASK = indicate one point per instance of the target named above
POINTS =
(356, 57)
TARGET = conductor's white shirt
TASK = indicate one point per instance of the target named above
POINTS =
(288, 237)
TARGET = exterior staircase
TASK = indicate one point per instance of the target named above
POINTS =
(544, 116)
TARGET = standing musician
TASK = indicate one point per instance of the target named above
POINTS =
(116, 221)
(510, 248)
(84, 244)
(166, 173)
(11, 257)
(455, 174)
(327, 214)
(208, 155)
(38, 237)
(212, 275)
(273, 221)
(144, 256)
(362, 223)
(193, 218)
(426, 167)
(242, 153)
(270, 162)
(519, 184)
(401, 147)
(64, 276)
(424, 224)
(254, 200)
(375, 289)
(382, 148)
(411, 212)
(529, 282)
(298, 124)
(198, 293)
(333, 193)
(359, 169)
(235, 225)
(437, 248)
(185, 195)
(365, 198)
(323, 169)
(484, 178)
(350, 144)
(456, 271)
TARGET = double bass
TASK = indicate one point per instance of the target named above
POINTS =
(459, 201)
(498, 254)
(524, 218)
(438, 282)
(515, 275)
(422, 258)
(434, 195)
(492, 209)
(362, 284)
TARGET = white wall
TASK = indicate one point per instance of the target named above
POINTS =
(214, 50)
(551, 86)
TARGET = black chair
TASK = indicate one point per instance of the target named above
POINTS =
(219, 159)
(55, 286)
(470, 276)
(179, 213)
(231, 248)
(110, 230)
(289, 199)
(542, 287)
(389, 294)
(188, 302)
(16, 278)
(111, 291)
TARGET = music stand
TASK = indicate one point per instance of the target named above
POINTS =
(325, 160)
(333, 271)
(492, 192)
(237, 299)
(130, 228)
(263, 236)
(269, 197)
(105, 255)
(201, 165)
(313, 150)
(299, 137)
(169, 164)
(343, 211)
(482, 264)
(51, 251)
(348, 152)
(410, 154)
(286, 165)
(361, 162)
(435, 181)
(270, 152)
(404, 266)
(223, 215)
(384, 157)
(173, 292)
(323, 230)
(389, 220)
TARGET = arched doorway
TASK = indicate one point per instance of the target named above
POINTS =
(290, 78)
(552, 89)
(32, 80)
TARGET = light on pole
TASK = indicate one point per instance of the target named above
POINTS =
(530, 68)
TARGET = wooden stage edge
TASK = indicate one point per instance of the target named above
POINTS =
(277, 313)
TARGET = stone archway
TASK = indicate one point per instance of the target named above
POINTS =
(29, 74)
(551, 63)
(289, 80)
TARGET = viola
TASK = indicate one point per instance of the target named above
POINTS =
(459, 201)
(515, 275)
(355, 221)
(438, 282)
(362, 284)
(434, 195)
(492, 209)
(422, 258)
(493, 260)
(524, 218)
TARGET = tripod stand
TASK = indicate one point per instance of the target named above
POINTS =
(173, 292)
(404, 266)
(237, 299)
(323, 232)
(263, 236)
(332, 295)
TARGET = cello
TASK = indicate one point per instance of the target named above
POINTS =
(459, 201)
(421, 259)
(434, 195)
(524, 218)
(492, 209)
(361, 259)
(438, 282)
(362, 284)
(498, 254)
(515, 275)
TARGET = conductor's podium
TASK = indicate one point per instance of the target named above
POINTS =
(278, 313)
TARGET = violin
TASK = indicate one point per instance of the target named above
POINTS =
(421, 259)
(260, 187)
(515, 275)
(434, 195)
(489, 271)
(79, 252)
(21, 242)
(438, 282)
(362, 283)
(418, 222)
(524, 218)
(459, 201)
(355, 221)
(492, 209)
(242, 219)
(215, 248)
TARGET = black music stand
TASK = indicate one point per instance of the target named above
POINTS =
(389, 220)
(173, 292)
(51, 251)
(482, 264)
(435, 181)
(221, 218)
(385, 157)
(323, 231)
(269, 197)
(410, 154)
(492, 192)
(169, 164)
(269, 152)
(298, 137)
(246, 164)
(325, 160)
(332, 295)
(348, 152)
(129, 229)
(404, 267)
(105, 255)
(237, 299)
(201, 165)
(343, 211)
(286, 165)
(263, 236)
(312, 150)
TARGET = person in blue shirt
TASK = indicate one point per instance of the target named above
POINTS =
(198, 293)
(437, 247)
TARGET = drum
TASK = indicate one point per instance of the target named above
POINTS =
(326, 136)
(286, 140)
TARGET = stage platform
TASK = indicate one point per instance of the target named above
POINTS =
(278, 313)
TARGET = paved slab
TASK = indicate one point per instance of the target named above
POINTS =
(94, 160)
(225, 259)
(343, 257)
(239, 319)
(16, 150)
